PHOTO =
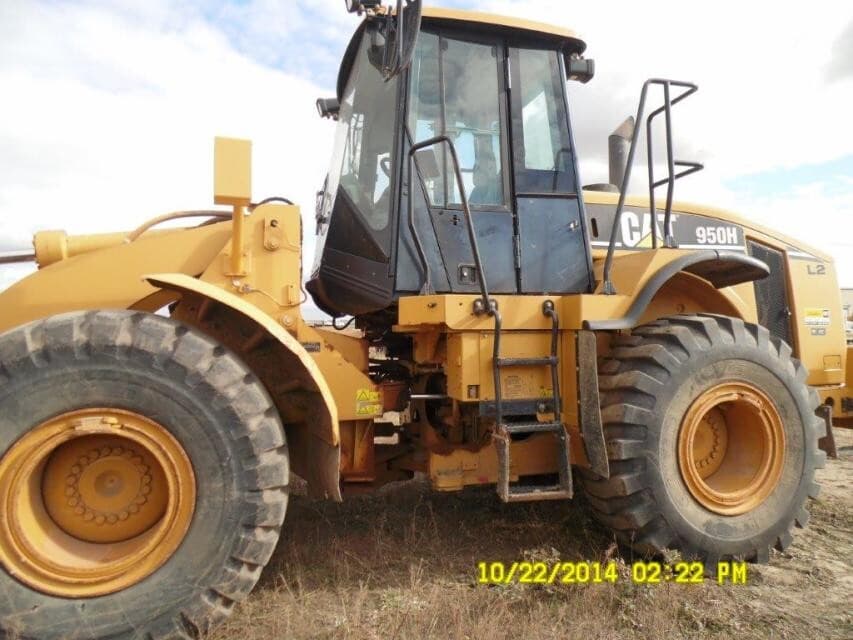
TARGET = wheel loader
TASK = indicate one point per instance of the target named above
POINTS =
(496, 323)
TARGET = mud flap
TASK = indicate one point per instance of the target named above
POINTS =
(589, 406)
(827, 443)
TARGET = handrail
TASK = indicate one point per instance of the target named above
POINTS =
(485, 303)
(669, 240)
(690, 88)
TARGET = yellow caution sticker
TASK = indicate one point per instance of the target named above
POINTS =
(817, 317)
(368, 403)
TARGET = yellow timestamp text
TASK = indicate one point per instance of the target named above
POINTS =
(526, 572)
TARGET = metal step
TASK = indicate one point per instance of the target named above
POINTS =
(518, 428)
(526, 362)
(505, 430)
(526, 493)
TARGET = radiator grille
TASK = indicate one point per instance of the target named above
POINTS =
(771, 293)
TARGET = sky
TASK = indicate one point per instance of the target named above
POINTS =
(109, 108)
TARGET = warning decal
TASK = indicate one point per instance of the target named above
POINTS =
(368, 403)
(816, 317)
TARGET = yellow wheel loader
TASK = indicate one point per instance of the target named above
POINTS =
(496, 323)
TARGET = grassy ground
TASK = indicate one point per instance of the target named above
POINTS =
(402, 564)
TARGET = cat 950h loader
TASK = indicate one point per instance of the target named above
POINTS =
(159, 386)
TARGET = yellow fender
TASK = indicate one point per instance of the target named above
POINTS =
(186, 284)
(315, 451)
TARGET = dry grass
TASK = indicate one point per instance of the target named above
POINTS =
(402, 564)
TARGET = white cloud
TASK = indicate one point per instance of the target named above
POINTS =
(110, 107)
(114, 115)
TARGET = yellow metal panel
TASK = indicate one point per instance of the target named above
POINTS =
(469, 364)
(353, 348)
(534, 456)
(601, 197)
(456, 312)
(818, 322)
(464, 365)
(517, 382)
(184, 284)
(357, 451)
(355, 394)
(232, 173)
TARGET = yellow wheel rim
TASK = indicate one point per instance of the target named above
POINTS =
(731, 448)
(93, 502)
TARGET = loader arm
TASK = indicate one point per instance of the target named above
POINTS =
(112, 278)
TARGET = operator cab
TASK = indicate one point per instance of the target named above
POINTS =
(496, 88)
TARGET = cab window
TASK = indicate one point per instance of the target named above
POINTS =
(544, 161)
(455, 91)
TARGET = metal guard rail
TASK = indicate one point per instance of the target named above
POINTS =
(691, 167)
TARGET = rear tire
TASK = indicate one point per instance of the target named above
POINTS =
(650, 383)
(210, 404)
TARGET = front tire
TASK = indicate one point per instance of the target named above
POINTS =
(712, 438)
(127, 426)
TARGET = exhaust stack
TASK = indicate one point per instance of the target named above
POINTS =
(618, 145)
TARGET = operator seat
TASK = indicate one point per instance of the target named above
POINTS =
(487, 184)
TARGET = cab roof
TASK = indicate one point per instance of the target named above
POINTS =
(491, 21)
(566, 39)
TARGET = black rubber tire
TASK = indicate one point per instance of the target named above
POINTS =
(221, 415)
(647, 382)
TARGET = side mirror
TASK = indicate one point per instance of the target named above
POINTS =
(401, 36)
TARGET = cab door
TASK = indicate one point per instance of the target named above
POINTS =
(552, 251)
(458, 89)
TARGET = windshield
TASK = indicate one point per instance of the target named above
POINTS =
(361, 164)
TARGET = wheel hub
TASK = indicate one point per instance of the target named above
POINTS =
(104, 489)
(94, 501)
(731, 448)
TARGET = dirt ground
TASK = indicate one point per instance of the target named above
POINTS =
(402, 564)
